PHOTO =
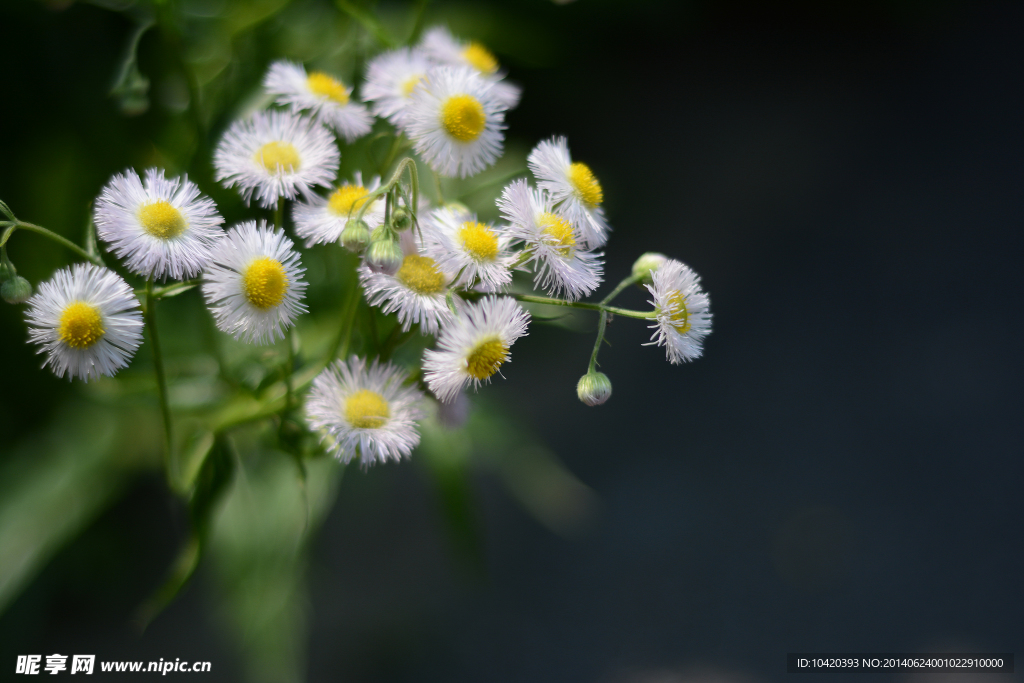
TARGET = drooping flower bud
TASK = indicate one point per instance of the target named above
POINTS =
(594, 388)
(401, 220)
(356, 236)
(644, 267)
(16, 290)
(384, 256)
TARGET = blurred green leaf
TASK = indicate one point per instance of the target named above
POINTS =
(55, 484)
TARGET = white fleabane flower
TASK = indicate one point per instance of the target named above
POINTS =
(573, 187)
(276, 154)
(323, 95)
(391, 78)
(254, 284)
(86, 320)
(322, 219)
(442, 47)
(161, 227)
(684, 318)
(562, 266)
(474, 345)
(455, 122)
(416, 293)
(365, 410)
(460, 243)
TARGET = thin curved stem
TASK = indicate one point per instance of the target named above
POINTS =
(161, 378)
(602, 322)
(618, 289)
(641, 315)
(38, 229)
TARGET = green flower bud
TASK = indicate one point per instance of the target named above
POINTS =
(384, 256)
(401, 220)
(645, 266)
(356, 236)
(16, 290)
(594, 388)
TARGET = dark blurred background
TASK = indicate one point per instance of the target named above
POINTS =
(841, 471)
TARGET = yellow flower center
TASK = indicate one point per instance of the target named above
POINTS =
(366, 409)
(347, 199)
(323, 85)
(480, 242)
(558, 231)
(81, 325)
(486, 357)
(586, 185)
(680, 318)
(278, 157)
(420, 274)
(463, 117)
(162, 220)
(409, 84)
(265, 283)
(480, 57)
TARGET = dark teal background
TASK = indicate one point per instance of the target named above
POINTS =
(842, 471)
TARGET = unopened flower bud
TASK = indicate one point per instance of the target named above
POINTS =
(401, 220)
(16, 290)
(356, 236)
(645, 266)
(594, 388)
(384, 256)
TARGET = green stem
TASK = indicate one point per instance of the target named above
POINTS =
(641, 315)
(289, 369)
(341, 343)
(169, 290)
(396, 147)
(279, 214)
(619, 287)
(161, 378)
(602, 322)
(31, 227)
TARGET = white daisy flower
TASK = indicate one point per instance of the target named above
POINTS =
(322, 219)
(323, 95)
(562, 265)
(254, 284)
(443, 48)
(416, 293)
(86, 320)
(276, 154)
(460, 243)
(574, 188)
(474, 345)
(365, 410)
(160, 227)
(391, 78)
(455, 122)
(684, 318)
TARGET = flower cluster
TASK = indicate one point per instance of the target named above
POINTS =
(437, 267)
